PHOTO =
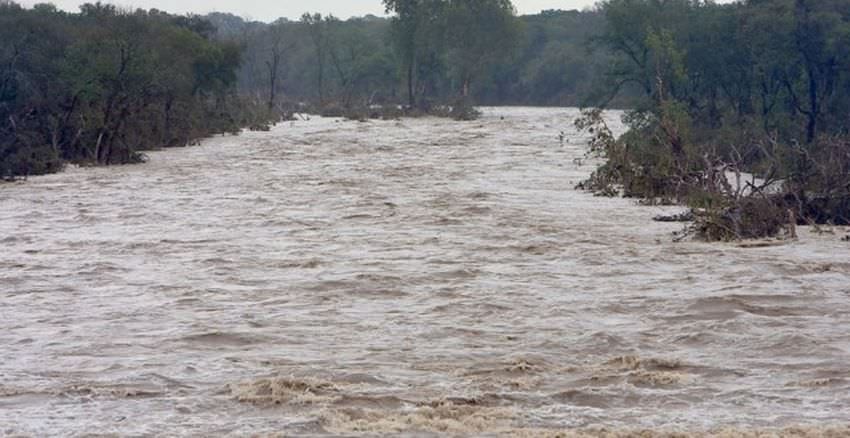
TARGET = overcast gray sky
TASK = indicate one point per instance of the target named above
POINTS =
(269, 10)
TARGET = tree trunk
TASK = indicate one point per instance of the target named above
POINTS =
(97, 146)
(814, 110)
(273, 67)
(166, 139)
(321, 78)
(411, 96)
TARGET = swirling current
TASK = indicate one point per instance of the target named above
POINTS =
(422, 276)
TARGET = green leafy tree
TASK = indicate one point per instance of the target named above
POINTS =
(478, 32)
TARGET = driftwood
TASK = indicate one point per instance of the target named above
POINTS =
(687, 216)
(762, 244)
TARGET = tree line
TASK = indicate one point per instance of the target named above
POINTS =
(98, 86)
(428, 52)
(743, 114)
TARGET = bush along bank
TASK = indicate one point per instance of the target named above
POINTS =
(744, 115)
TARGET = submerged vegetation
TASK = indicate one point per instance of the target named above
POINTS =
(743, 116)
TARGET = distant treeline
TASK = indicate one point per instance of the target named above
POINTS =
(428, 51)
(758, 86)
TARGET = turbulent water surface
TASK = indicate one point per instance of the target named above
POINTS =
(426, 276)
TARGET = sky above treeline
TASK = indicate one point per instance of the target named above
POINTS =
(270, 10)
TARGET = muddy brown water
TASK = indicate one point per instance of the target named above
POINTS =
(419, 276)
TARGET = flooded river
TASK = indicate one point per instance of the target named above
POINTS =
(419, 276)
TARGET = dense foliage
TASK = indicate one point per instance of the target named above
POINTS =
(101, 85)
(744, 112)
(428, 52)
